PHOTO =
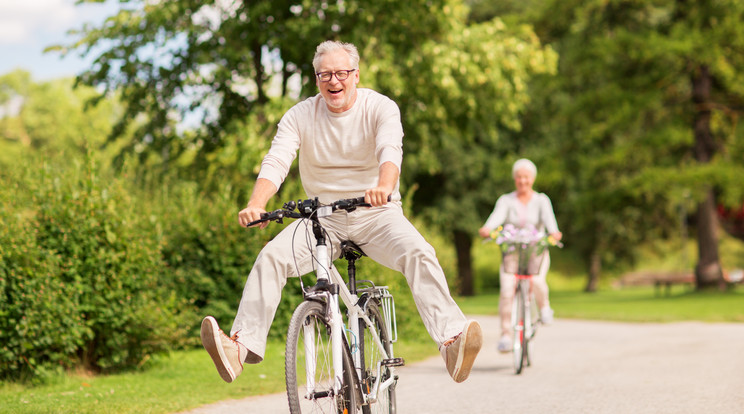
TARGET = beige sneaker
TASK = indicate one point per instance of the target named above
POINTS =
(459, 352)
(226, 353)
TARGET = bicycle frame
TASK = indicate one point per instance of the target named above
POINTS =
(524, 284)
(336, 287)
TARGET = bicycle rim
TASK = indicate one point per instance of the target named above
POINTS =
(309, 350)
(372, 357)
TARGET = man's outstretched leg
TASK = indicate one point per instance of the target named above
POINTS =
(258, 304)
(459, 352)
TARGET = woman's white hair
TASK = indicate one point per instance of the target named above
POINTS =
(332, 45)
(524, 164)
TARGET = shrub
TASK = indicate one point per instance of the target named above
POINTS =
(211, 255)
(82, 276)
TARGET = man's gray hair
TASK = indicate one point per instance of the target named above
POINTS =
(332, 45)
(526, 164)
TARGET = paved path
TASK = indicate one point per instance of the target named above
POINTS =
(577, 367)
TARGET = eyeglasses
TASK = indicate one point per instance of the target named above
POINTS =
(341, 75)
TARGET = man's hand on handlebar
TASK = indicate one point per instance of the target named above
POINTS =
(378, 196)
(251, 214)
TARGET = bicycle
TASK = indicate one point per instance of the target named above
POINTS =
(332, 366)
(523, 251)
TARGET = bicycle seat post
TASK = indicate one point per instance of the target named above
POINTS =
(352, 274)
(351, 252)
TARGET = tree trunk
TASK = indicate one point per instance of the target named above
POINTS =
(463, 245)
(708, 269)
(595, 268)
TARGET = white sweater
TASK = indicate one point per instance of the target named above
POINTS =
(509, 210)
(340, 153)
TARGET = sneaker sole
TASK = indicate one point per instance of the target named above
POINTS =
(469, 348)
(210, 337)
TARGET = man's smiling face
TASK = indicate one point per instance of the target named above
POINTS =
(338, 95)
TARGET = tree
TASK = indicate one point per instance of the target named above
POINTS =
(49, 117)
(646, 102)
(457, 88)
(458, 91)
(212, 63)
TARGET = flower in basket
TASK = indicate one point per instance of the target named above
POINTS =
(510, 237)
(523, 248)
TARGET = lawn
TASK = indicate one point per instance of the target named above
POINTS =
(638, 304)
(181, 381)
(187, 379)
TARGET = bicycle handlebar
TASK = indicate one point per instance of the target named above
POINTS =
(309, 208)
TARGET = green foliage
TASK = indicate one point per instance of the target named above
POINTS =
(218, 62)
(459, 91)
(208, 252)
(82, 278)
(50, 117)
(614, 129)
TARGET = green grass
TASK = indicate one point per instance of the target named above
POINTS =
(187, 379)
(641, 304)
(181, 381)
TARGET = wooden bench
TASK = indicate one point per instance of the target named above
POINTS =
(658, 279)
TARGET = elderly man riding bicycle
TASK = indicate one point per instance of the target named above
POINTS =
(349, 141)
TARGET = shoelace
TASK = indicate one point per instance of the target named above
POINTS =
(451, 340)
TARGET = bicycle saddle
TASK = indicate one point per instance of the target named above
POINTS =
(350, 250)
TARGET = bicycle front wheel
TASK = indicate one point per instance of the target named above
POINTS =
(309, 365)
(519, 336)
(373, 372)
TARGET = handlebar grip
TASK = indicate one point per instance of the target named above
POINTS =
(264, 218)
(360, 201)
(253, 223)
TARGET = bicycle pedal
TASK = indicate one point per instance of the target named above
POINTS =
(393, 362)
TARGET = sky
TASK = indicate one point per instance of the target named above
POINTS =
(28, 26)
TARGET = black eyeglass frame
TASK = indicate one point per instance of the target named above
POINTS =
(330, 75)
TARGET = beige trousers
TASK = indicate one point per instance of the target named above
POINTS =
(385, 235)
(508, 285)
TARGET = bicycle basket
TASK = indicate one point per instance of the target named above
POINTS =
(523, 258)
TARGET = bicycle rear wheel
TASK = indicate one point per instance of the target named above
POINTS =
(372, 357)
(309, 365)
(519, 336)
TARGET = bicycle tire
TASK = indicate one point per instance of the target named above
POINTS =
(518, 336)
(534, 318)
(309, 319)
(529, 327)
(371, 357)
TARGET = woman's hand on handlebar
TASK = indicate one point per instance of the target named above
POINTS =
(484, 232)
(250, 214)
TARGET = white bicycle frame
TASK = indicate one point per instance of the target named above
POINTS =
(525, 288)
(323, 272)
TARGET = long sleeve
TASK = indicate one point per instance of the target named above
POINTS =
(275, 165)
(498, 215)
(547, 216)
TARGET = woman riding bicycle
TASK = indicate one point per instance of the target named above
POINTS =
(521, 208)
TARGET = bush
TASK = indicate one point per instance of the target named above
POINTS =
(100, 273)
(82, 277)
